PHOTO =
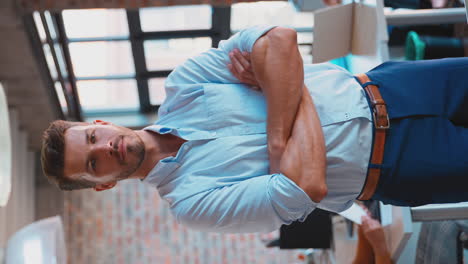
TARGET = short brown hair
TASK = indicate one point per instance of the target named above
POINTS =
(53, 156)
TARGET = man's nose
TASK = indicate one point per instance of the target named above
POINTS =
(104, 148)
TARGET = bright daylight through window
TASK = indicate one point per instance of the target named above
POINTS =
(115, 61)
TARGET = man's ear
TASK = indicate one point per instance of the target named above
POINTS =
(104, 186)
(100, 122)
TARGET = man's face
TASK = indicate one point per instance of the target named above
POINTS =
(102, 153)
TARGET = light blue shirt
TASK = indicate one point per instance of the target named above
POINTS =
(219, 179)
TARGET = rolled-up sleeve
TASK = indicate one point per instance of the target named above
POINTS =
(211, 66)
(259, 204)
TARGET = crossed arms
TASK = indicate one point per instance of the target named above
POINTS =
(256, 201)
(295, 139)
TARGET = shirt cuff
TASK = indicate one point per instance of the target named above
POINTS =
(289, 201)
(253, 34)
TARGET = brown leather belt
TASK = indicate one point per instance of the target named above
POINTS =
(381, 123)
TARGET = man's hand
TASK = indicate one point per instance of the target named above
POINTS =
(374, 233)
(371, 239)
(241, 67)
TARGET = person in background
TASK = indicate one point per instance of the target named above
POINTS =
(372, 246)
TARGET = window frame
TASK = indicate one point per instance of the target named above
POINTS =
(220, 29)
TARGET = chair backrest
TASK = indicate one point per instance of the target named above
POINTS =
(41, 242)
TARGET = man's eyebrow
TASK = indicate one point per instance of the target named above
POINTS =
(86, 136)
(87, 167)
(87, 155)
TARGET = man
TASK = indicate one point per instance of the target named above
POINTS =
(228, 158)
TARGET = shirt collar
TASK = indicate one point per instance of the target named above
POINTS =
(160, 129)
(168, 165)
(163, 168)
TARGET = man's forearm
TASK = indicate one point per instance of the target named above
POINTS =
(278, 68)
(304, 159)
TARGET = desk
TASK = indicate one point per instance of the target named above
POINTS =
(397, 235)
(411, 17)
(438, 212)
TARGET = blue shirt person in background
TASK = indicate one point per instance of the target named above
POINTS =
(225, 156)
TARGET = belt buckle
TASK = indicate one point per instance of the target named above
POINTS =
(376, 123)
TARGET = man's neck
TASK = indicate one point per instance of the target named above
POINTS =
(157, 147)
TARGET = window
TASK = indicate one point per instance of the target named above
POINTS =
(102, 58)
(108, 94)
(279, 13)
(166, 54)
(180, 17)
(95, 23)
(61, 96)
(39, 27)
(115, 61)
(157, 91)
(53, 56)
(50, 61)
(120, 58)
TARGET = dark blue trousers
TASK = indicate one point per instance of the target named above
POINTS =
(426, 150)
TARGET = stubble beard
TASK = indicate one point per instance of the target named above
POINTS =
(137, 149)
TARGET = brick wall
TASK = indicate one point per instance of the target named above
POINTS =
(131, 224)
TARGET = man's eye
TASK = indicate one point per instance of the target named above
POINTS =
(93, 164)
(92, 138)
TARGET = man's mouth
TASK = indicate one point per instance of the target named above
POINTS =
(122, 150)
